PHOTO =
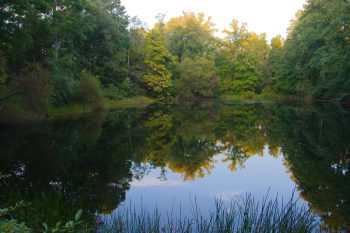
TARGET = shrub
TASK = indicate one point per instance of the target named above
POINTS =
(111, 92)
(126, 89)
(65, 88)
(197, 78)
(34, 86)
(89, 88)
(129, 89)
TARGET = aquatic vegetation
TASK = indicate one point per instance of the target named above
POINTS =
(244, 214)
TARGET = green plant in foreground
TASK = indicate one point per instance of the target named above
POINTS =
(13, 226)
(69, 226)
(8, 224)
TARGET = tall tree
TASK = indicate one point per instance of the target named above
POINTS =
(190, 35)
(274, 62)
(158, 61)
(136, 56)
(242, 59)
(317, 51)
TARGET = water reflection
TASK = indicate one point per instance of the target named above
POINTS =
(91, 161)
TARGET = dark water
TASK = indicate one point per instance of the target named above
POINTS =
(164, 156)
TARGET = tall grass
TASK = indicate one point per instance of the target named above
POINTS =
(241, 215)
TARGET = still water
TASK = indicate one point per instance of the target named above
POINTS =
(167, 157)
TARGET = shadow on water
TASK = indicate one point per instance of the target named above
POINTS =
(90, 161)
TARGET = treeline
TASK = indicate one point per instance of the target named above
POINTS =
(61, 52)
(314, 59)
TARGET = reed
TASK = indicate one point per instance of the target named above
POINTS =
(243, 214)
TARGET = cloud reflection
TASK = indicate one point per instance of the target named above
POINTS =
(229, 195)
(150, 182)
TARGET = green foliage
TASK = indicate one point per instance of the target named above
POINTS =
(274, 63)
(190, 35)
(137, 34)
(23, 33)
(67, 38)
(125, 90)
(9, 225)
(107, 57)
(68, 227)
(72, 37)
(158, 61)
(64, 89)
(89, 88)
(12, 226)
(197, 78)
(316, 53)
(111, 92)
(128, 88)
(34, 87)
(242, 60)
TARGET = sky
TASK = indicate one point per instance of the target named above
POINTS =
(270, 16)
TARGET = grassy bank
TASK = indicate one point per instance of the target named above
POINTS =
(136, 102)
(266, 96)
(253, 96)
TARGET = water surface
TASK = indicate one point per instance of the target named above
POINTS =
(169, 156)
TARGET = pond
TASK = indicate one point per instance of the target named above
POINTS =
(171, 157)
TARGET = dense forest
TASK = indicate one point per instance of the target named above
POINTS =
(62, 52)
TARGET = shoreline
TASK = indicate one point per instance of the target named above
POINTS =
(106, 104)
(54, 112)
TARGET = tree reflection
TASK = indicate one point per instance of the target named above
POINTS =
(314, 140)
(316, 144)
(65, 165)
(89, 161)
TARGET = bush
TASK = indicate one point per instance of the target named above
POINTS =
(34, 86)
(111, 92)
(65, 88)
(125, 90)
(128, 88)
(89, 88)
(197, 78)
